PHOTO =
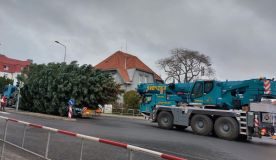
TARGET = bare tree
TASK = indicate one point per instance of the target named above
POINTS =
(186, 65)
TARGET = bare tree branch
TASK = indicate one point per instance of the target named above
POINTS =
(186, 65)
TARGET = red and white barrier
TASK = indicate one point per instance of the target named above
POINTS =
(70, 112)
(267, 87)
(256, 121)
(100, 140)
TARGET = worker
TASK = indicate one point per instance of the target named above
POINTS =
(3, 103)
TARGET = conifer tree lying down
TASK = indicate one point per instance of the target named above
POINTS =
(48, 88)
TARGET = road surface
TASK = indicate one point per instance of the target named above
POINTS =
(136, 132)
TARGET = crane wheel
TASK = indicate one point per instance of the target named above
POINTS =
(201, 124)
(165, 120)
(227, 128)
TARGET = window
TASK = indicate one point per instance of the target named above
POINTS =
(12, 90)
(6, 67)
(6, 88)
(140, 78)
(147, 99)
(113, 74)
(146, 79)
(197, 90)
(143, 78)
(208, 86)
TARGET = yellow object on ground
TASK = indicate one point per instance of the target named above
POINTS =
(274, 137)
(98, 111)
(87, 113)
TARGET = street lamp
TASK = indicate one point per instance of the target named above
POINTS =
(64, 48)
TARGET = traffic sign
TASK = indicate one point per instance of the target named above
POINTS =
(71, 102)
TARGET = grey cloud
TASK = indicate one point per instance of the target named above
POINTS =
(237, 35)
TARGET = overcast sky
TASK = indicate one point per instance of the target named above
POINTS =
(238, 35)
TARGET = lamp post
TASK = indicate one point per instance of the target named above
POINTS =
(64, 49)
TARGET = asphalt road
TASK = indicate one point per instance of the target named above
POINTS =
(136, 132)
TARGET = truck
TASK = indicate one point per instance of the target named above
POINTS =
(210, 93)
(156, 94)
(10, 95)
(229, 109)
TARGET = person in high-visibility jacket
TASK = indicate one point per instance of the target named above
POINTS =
(3, 103)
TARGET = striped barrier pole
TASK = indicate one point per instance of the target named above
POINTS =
(267, 87)
(95, 139)
(70, 111)
(256, 121)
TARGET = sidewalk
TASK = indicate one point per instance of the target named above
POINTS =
(12, 110)
(122, 116)
(12, 153)
(41, 115)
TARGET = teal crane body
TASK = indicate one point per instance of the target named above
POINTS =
(9, 91)
(209, 93)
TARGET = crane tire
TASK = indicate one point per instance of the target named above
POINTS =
(201, 124)
(227, 128)
(165, 120)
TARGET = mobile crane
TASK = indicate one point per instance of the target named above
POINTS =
(10, 95)
(231, 109)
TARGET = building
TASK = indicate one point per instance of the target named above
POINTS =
(128, 70)
(10, 68)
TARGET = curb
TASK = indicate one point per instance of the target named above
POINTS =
(46, 116)
(122, 116)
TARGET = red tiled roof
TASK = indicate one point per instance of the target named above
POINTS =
(13, 65)
(121, 61)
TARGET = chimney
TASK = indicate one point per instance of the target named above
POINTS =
(30, 60)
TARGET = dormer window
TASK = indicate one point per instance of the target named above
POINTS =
(140, 78)
(146, 79)
(6, 68)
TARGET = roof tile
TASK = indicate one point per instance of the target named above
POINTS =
(122, 61)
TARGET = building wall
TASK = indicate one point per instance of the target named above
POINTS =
(11, 68)
(140, 77)
(136, 76)
(117, 77)
(131, 73)
(10, 76)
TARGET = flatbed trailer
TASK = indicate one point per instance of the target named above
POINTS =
(258, 121)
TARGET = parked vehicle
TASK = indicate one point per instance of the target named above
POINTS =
(10, 94)
(209, 93)
(259, 121)
(84, 112)
(230, 109)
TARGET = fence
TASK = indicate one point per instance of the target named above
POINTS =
(125, 111)
(130, 148)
